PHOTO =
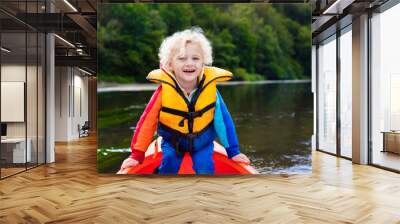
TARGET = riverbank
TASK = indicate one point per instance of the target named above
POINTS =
(115, 87)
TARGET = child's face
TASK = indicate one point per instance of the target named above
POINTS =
(188, 65)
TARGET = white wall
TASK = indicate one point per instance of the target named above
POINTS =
(13, 72)
(33, 126)
(62, 81)
(10, 73)
(16, 73)
(71, 102)
(314, 91)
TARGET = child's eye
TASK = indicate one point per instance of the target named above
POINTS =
(196, 58)
(181, 58)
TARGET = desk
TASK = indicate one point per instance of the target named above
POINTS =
(391, 141)
(15, 148)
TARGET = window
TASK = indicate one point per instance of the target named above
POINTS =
(385, 88)
(346, 92)
(327, 95)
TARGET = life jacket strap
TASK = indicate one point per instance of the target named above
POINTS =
(191, 115)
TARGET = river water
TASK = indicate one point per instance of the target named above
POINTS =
(274, 124)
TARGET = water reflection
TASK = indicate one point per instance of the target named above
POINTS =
(273, 123)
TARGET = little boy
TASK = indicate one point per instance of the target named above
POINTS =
(186, 109)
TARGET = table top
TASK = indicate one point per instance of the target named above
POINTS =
(391, 132)
(13, 140)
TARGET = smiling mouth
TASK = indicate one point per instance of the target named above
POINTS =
(189, 70)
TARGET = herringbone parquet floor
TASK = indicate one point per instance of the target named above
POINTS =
(71, 191)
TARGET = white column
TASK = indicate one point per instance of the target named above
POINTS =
(314, 91)
(360, 90)
(50, 94)
(62, 102)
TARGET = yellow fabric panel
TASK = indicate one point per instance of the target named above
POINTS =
(171, 98)
(159, 75)
(208, 96)
(217, 74)
(172, 121)
(201, 122)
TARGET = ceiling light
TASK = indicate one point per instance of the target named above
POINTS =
(5, 49)
(84, 71)
(337, 7)
(65, 41)
(70, 5)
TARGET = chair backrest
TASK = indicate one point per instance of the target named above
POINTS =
(86, 125)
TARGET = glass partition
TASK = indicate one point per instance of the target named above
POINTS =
(385, 89)
(327, 95)
(13, 95)
(22, 91)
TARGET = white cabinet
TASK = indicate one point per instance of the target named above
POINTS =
(17, 147)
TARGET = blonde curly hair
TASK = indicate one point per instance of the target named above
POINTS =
(176, 43)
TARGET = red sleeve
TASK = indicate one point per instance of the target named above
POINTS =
(146, 127)
(137, 155)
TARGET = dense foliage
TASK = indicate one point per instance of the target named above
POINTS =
(255, 41)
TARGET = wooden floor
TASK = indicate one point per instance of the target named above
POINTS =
(10, 171)
(71, 191)
(387, 159)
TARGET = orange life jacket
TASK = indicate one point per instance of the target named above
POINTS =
(177, 112)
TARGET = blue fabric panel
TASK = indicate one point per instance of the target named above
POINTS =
(225, 128)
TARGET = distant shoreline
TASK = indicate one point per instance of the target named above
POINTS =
(113, 87)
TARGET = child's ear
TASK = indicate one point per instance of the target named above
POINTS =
(169, 66)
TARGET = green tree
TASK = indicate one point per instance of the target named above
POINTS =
(255, 41)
